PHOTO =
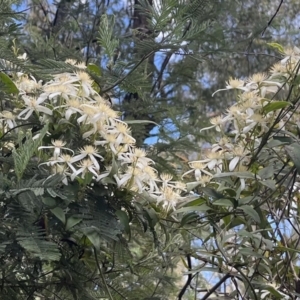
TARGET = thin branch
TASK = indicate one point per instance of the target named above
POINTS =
(216, 286)
(189, 280)
(132, 70)
(273, 17)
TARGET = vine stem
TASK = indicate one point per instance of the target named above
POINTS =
(101, 275)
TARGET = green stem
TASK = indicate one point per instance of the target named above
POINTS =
(102, 276)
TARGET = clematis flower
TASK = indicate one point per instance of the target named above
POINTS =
(136, 156)
(85, 166)
(218, 123)
(8, 118)
(198, 168)
(33, 104)
(91, 152)
(169, 198)
(239, 155)
(233, 84)
(57, 146)
(131, 179)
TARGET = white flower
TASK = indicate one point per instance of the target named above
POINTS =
(218, 123)
(198, 168)
(85, 84)
(57, 146)
(233, 84)
(85, 166)
(8, 118)
(73, 106)
(28, 85)
(65, 91)
(136, 156)
(169, 198)
(214, 161)
(131, 179)
(166, 179)
(23, 56)
(110, 140)
(149, 177)
(33, 104)
(122, 132)
(239, 156)
(256, 120)
(91, 152)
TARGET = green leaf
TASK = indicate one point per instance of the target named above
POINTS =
(189, 218)
(282, 140)
(279, 141)
(24, 153)
(270, 183)
(212, 193)
(93, 236)
(192, 185)
(236, 174)
(251, 212)
(49, 201)
(7, 84)
(139, 122)
(294, 153)
(275, 105)
(94, 69)
(151, 216)
(59, 214)
(72, 221)
(201, 208)
(223, 202)
(277, 47)
(123, 217)
(266, 172)
(195, 202)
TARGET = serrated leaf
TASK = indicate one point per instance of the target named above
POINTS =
(72, 221)
(294, 153)
(275, 105)
(59, 214)
(8, 85)
(251, 212)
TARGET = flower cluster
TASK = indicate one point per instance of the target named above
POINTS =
(241, 128)
(105, 146)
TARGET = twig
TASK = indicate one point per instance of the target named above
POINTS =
(189, 280)
(273, 17)
(214, 288)
(133, 69)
